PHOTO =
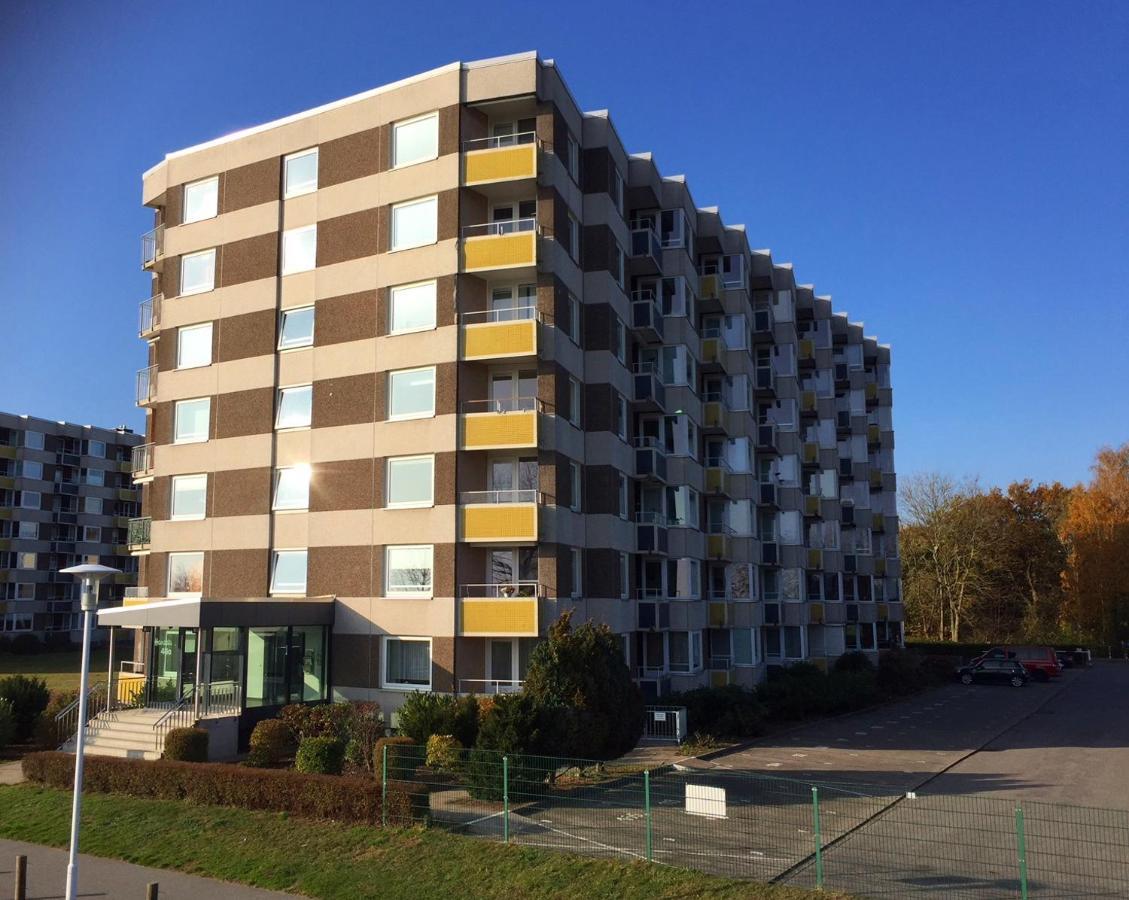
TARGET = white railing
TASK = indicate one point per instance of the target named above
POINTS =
(509, 496)
(647, 517)
(152, 245)
(141, 460)
(149, 315)
(510, 590)
(501, 227)
(503, 405)
(501, 140)
(489, 686)
(507, 314)
(146, 385)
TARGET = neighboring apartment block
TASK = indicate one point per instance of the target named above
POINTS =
(431, 365)
(66, 497)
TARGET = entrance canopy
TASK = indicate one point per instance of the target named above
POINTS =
(196, 613)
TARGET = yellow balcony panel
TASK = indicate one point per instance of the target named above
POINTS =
(883, 612)
(820, 662)
(716, 415)
(126, 496)
(501, 164)
(873, 434)
(121, 521)
(816, 616)
(718, 546)
(878, 524)
(7, 452)
(498, 618)
(494, 522)
(5, 544)
(811, 506)
(715, 480)
(121, 549)
(711, 350)
(126, 467)
(872, 391)
(5, 575)
(6, 482)
(815, 559)
(496, 431)
(719, 614)
(875, 479)
(498, 340)
(500, 251)
(5, 514)
(710, 286)
(808, 401)
(807, 349)
(811, 453)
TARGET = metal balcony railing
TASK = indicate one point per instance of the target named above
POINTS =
(507, 590)
(501, 140)
(506, 314)
(138, 533)
(503, 405)
(146, 385)
(507, 496)
(152, 246)
(489, 686)
(141, 460)
(149, 315)
(502, 227)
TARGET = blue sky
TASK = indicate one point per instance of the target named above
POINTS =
(954, 174)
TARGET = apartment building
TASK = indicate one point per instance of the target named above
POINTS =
(66, 497)
(430, 365)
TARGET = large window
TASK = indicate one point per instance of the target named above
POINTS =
(299, 249)
(297, 328)
(30, 499)
(191, 420)
(292, 487)
(408, 570)
(288, 572)
(189, 496)
(198, 272)
(201, 199)
(194, 346)
(33, 440)
(407, 663)
(301, 173)
(410, 481)
(415, 223)
(90, 505)
(95, 477)
(412, 307)
(284, 665)
(295, 406)
(186, 574)
(411, 393)
(96, 448)
(415, 140)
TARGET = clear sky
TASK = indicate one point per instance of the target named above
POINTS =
(955, 174)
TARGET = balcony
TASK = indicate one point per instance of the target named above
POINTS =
(880, 566)
(762, 325)
(806, 352)
(500, 424)
(652, 610)
(718, 614)
(764, 379)
(811, 453)
(809, 403)
(815, 558)
(500, 334)
(709, 290)
(715, 415)
(875, 479)
(649, 391)
(717, 476)
(813, 505)
(510, 157)
(496, 517)
(498, 610)
(719, 541)
(152, 247)
(489, 686)
(768, 493)
(135, 596)
(494, 246)
(138, 534)
(141, 461)
(766, 438)
(646, 248)
(650, 459)
(149, 316)
(646, 317)
(815, 613)
(873, 435)
(713, 350)
(146, 385)
(770, 554)
(651, 532)
(878, 524)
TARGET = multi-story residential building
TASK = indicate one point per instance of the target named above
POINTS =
(66, 497)
(430, 365)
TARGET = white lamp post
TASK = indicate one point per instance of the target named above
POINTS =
(91, 575)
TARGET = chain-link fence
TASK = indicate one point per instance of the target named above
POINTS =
(856, 838)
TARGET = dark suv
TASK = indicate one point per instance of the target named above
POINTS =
(994, 671)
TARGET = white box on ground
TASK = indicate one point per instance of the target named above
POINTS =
(702, 800)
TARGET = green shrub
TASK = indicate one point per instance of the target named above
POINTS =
(722, 712)
(320, 756)
(330, 720)
(340, 798)
(271, 742)
(187, 745)
(366, 727)
(45, 734)
(444, 752)
(900, 673)
(7, 723)
(518, 727)
(854, 661)
(25, 645)
(403, 756)
(852, 689)
(794, 692)
(424, 714)
(29, 697)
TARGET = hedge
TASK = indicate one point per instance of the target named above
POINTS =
(336, 797)
(320, 756)
(187, 745)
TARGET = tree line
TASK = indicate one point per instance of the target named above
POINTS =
(1032, 562)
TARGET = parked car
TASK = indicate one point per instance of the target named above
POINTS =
(1041, 663)
(1070, 659)
(994, 671)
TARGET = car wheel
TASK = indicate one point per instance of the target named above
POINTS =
(966, 678)
(1016, 681)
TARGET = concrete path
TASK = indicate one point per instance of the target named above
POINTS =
(98, 877)
(11, 772)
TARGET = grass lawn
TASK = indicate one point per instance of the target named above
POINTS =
(328, 860)
(59, 670)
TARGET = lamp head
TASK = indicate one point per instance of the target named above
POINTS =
(91, 574)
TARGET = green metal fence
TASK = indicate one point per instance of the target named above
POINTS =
(864, 839)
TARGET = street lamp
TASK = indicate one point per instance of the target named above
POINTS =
(91, 574)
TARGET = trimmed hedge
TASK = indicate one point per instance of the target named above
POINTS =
(335, 797)
(404, 755)
(187, 745)
(723, 712)
(272, 741)
(320, 756)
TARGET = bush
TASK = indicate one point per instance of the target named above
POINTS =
(854, 661)
(320, 756)
(722, 712)
(404, 755)
(29, 697)
(7, 723)
(271, 742)
(339, 798)
(330, 720)
(365, 728)
(425, 714)
(900, 673)
(25, 645)
(45, 734)
(444, 752)
(519, 727)
(187, 745)
(851, 690)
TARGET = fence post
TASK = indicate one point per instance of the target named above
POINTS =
(21, 878)
(506, 799)
(384, 786)
(1021, 843)
(818, 838)
(152, 890)
(647, 814)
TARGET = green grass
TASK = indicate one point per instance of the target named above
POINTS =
(59, 670)
(329, 860)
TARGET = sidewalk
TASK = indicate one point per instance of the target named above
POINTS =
(98, 877)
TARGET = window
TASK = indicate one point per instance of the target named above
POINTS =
(617, 189)
(299, 249)
(411, 393)
(622, 496)
(412, 307)
(415, 140)
(577, 567)
(96, 449)
(301, 173)
(297, 328)
(573, 161)
(198, 272)
(25, 591)
(25, 560)
(292, 487)
(92, 534)
(194, 346)
(295, 406)
(201, 199)
(288, 572)
(407, 663)
(28, 530)
(16, 622)
(617, 266)
(415, 223)
(624, 578)
(92, 505)
(573, 238)
(33, 440)
(186, 574)
(29, 468)
(32, 499)
(621, 416)
(410, 481)
(96, 477)
(189, 496)
(574, 401)
(192, 420)
(408, 570)
(574, 319)
(575, 488)
(620, 341)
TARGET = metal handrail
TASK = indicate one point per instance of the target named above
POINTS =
(66, 721)
(512, 590)
(152, 245)
(653, 594)
(648, 442)
(503, 405)
(644, 295)
(221, 698)
(181, 715)
(141, 459)
(645, 517)
(511, 314)
(718, 462)
(500, 497)
(146, 385)
(525, 225)
(149, 314)
(499, 141)
(491, 685)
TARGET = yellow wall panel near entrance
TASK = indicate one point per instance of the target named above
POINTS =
(129, 686)
(488, 431)
(498, 618)
(501, 164)
(496, 339)
(500, 522)
(503, 251)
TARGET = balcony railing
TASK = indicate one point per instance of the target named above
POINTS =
(507, 244)
(489, 686)
(141, 460)
(146, 385)
(491, 610)
(499, 516)
(500, 333)
(152, 246)
(504, 157)
(501, 423)
(135, 595)
(138, 533)
(646, 317)
(649, 391)
(149, 315)
(508, 590)
(650, 458)
(645, 243)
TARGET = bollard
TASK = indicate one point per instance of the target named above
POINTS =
(151, 890)
(21, 878)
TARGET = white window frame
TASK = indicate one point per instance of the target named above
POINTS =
(576, 488)
(621, 413)
(31, 468)
(574, 395)
(33, 440)
(620, 341)
(433, 200)
(624, 576)
(168, 576)
(90, 445)
(87, 539)
(401, 417)
(34, 529)
(574, 319)
(201, 289)
(623, 497)
(213, 180)
(275, 556)
(411, 504)
(93, 506)
(20, 589)
(414, 286)
(385, 656)
(193, 329)
(176, 439)
(278, 476)
(573, 237)
(304, 341)
(186, 480)
(305, 188)
(26, 495)
(416, 120)
(278, 411)
(577, 564)
(288, 265)
(406, 594)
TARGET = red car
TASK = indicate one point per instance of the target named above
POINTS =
(1040, 662)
